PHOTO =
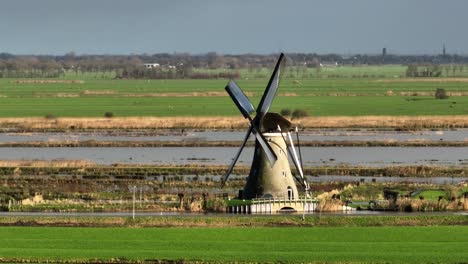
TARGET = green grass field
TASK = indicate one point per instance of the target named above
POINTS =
(348, 93)
(320, 97)
(310, 86)
(432, 195)
(438, 244)
(357, 71)
(222, 106)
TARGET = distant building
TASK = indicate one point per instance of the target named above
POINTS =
(151, 65)
(328, 64)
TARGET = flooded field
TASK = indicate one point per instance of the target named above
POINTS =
(309, 135)
(312, 156)
(375, 156)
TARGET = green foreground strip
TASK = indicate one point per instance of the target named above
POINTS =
(436, 244)
(231, 221)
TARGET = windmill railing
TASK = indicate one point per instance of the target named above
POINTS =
(275, 205)
(283, 200)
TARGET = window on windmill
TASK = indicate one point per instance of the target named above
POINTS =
(283, 173)
(280, 151)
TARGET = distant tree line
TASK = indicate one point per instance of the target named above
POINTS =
(29, 67)
(182, 65)
(181, 72)
(424, 70)
(433, 70)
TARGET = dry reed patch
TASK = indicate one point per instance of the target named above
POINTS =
(289, 94)
(412, 122)
(47, 81)
(181, 94)
(3, 96)
(98, 92)
(416, 93)
(346, 94)
(36, 199)
(37, 123)
(457, 93)
(216, 122)
(441, 80)
(343, 94)
(46, 163)
(193, 94)
(65, 95)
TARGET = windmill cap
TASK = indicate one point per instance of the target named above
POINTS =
(271, 121)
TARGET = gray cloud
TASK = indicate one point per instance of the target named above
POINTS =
(339, 26)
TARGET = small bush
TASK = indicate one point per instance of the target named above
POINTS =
(299, 113)
(215, 205)
(50, 116)
(108, 114)
(440, 93)
(285, 112)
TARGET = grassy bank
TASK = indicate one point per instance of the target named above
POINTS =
(425, 219)
(201, 143)
(85, 170)
(441, 244)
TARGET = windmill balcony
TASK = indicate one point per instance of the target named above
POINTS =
(271, 206)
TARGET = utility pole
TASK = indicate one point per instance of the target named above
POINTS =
(141, 194)
(133, 211)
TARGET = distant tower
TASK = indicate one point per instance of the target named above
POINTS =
(384, 52)
(443, 51)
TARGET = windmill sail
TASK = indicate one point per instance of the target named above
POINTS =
(240, 99)
(270, 91)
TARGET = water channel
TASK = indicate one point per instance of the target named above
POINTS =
(312, 156)
(308, 135)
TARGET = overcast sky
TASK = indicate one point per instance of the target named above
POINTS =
(233, 27)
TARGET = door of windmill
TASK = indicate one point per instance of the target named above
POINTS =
(290, 193)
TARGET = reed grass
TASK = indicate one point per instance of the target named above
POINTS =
(46, 163)
(90, 170)
(396, 122)
(84, 123)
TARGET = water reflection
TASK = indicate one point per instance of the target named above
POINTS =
(312, 156)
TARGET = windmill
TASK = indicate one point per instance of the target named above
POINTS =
(270, 175)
